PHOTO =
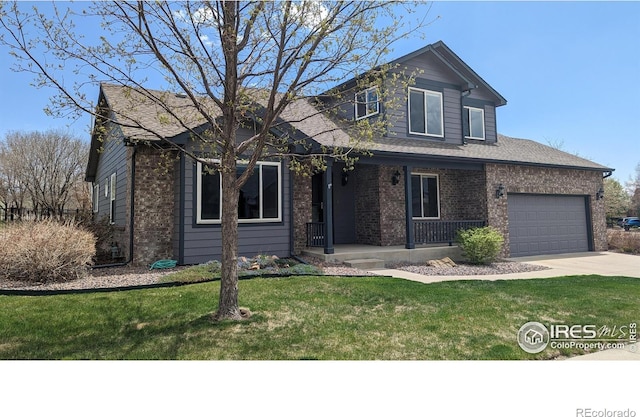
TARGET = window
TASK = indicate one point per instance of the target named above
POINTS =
(96, 197)
(112, 199)
(425, 112)
(473, 123)
(259, 199)
(425, 197)
(367, 103)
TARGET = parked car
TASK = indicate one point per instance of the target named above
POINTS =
(633, 222)
(624, 220)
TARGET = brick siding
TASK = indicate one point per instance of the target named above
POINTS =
(302, 200)
(154, 205)
(534, 180)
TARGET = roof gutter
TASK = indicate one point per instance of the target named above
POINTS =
(444, 158)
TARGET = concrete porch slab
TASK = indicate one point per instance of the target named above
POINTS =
(365, 263)
(421, 253)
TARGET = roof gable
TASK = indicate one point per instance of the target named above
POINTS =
(470, 79)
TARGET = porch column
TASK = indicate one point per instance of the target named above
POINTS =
(408, 207)
(327, 198)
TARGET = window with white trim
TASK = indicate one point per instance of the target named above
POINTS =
(95, 197)
(112, 199)
(473, 122)
(260, 197)
(426, 114)
(425, 196)
(367, 103)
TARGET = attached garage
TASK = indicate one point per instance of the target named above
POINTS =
(547, 224)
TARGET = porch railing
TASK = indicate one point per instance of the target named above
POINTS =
(424, 231)
(441, 231)
(315, 234)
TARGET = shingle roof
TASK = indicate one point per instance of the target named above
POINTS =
(139, 115)
(304, 116)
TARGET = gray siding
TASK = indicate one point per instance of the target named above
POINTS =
(428, 67)
(491, 130)
(431, 74)
(203, 243)
(112, 159)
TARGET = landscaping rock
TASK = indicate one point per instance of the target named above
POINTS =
(442, 263)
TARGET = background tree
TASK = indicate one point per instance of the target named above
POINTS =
(46, 166)
(633, 188)
(13, 191)
(232, 60)
(616, 199)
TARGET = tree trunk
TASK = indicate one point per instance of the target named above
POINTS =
(228, 304)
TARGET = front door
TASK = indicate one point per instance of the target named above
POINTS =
(344, 205)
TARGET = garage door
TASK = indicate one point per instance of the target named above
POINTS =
(545, 224)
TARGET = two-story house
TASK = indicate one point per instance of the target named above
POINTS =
(440, 166)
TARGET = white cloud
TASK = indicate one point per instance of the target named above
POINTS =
(309, 12)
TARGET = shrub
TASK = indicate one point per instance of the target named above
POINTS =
(45, 251)
(628, 242)
(480, 245)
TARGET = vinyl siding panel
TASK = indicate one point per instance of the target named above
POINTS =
(428, 67)
(203, 243)
(452, 116)
(113, 159)
(491, 135)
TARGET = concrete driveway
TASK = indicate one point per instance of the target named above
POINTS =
(586, 263)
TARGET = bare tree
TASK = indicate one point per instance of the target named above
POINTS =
(13, 191)
(233, 61)
(47, 165)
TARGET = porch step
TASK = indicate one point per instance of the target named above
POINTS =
(365, 263)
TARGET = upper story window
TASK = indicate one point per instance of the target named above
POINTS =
(473, 123)
(425, 112)
(260, 197)
(367, 103)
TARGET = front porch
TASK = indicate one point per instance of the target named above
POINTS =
(387, 210)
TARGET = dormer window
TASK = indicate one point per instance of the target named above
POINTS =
(473, 123)
(367, 103)
(425, 112)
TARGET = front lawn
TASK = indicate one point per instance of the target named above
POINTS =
(313, 318)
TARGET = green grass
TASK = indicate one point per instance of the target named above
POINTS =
(313, 318)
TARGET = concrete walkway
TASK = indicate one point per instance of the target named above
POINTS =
(588, 263)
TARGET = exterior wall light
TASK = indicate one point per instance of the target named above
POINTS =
(395, 178)
(500, 191)
(345, 178)
(600, 194)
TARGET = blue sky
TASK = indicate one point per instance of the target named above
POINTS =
(569, 71)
